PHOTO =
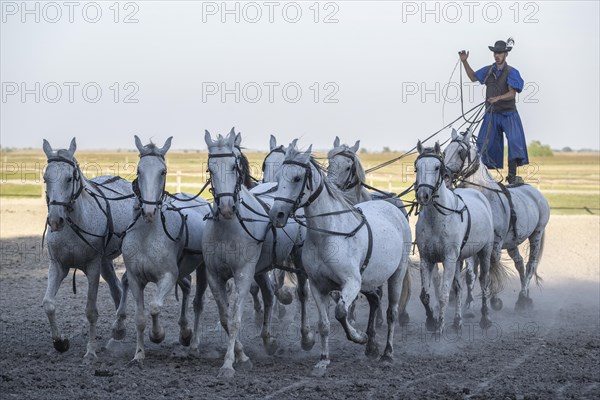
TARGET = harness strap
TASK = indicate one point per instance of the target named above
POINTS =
(466, 237)
(369, 249)
(513, 215)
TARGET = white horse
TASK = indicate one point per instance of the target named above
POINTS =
(345, 170)
(163, 245)
(530, 208)
(452, 226)
(347, 249)
(86, 220)
(239, 243)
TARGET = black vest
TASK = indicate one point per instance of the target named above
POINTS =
(497, 87)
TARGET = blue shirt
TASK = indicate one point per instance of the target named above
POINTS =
(514, 78)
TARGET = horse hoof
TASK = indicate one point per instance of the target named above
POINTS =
(61, 345)
(185, 337)
(137, 362)
(403, 319)
(320, 369)
(431, 324)
(372, 351)
(335, 295)
(308, 341)
(496, 303)
(285, 296)
(271, 347)
(90, 357)
(226, 373)
(158, 338)
(528, 303)
(244, 365)
(119, 334)
(386, 359)
(485, 323)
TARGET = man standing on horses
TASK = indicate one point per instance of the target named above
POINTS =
(502, 83)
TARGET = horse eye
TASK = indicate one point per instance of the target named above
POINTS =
(163, 172)
(437, 168)
(348, 169)
(69, 179)
(296, 179)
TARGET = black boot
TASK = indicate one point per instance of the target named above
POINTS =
(512, 177)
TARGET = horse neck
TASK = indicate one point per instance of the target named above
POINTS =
(444, 196)
(481, 176)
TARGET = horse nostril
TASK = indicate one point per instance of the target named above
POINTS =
(280, 215)
(61, 221)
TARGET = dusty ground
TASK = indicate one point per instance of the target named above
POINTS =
(551, 352)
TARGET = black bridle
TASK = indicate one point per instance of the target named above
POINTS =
(441, 173)
(76, 178)
(278, 149)
(464, 154)
(306, 184)
(352, 178)
(136, 189)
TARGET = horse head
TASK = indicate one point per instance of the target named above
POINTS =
(63, 183)
(225, 169)
(344, 169)
(294, 184)
(272, 164)
(430, 170)
(459, 155)
(149, 185)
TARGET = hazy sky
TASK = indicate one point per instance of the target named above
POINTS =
(374, 71)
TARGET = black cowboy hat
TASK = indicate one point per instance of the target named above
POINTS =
(500, 47)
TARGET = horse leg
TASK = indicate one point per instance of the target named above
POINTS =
(535, 246)
(450, 265)
(514, 253)
(108, 274)
(426, 268)
(185, 333)
(91, 309)
(258, 308)
(458, 295)
(201, 283)
(403, 317)
(268, 295)
(484, 262)
(471, 277)
(137, 291)
(56, 274)
(396, 287)
(321, 296)
(495, 301)
(119, 328)
(308, 338)
(164, 286)
(350, 290)
(371, 349)
(235, 350)
(379, 319)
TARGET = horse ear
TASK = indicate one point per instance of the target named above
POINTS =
(47, 148)
(207, 139)
(467, 137)
(419, 147)
(167, 146)
(355, 147)
(336, 142)
(437, 148)
(138, 144)
(72, 147)
(454, 134)
(306, 154)
(238, 139)
(272, 142)
(293, 144)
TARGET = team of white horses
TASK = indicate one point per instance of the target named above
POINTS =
(323, 225)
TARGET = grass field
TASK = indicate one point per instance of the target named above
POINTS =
(570, 181)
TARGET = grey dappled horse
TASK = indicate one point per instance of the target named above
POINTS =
(452, 226)
(163, 245)
(530, 207)
(347, 250)
(238, 243)
(86, 227)
(345, 170)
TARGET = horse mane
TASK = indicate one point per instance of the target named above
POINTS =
(360, 172)
(249, 182)
(151, 148)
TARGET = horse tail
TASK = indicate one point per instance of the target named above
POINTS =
(498, 275)
(538, 279)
